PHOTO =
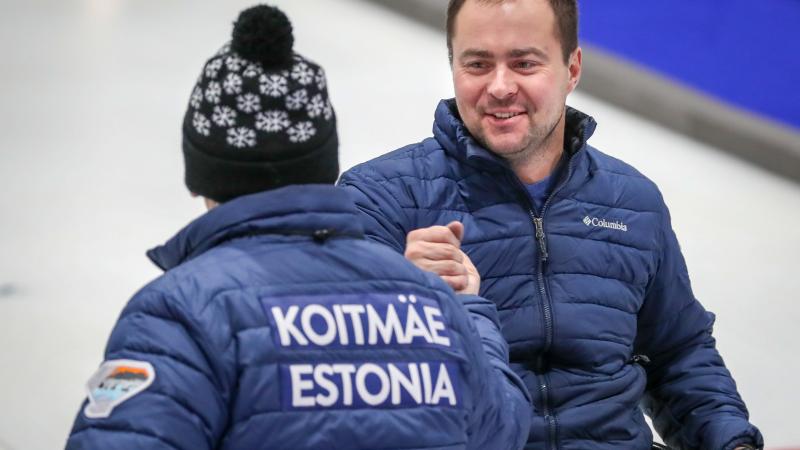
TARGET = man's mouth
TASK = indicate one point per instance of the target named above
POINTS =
(505, 115)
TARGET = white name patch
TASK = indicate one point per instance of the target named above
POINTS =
(374, 385)
(357, 320)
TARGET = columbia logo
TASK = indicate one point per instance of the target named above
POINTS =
(603, 223)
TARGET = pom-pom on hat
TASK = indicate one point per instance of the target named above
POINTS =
(264, 34)
(259, 116)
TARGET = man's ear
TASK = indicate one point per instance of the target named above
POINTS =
(574, 66)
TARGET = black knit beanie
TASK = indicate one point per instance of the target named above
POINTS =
(259, 116)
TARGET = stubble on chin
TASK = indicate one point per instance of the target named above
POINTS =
(531, 147)
(510, 153)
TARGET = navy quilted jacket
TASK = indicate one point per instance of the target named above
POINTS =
(588, 288)
(277, 326)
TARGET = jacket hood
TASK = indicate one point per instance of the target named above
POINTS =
(310, 210)
(450, 131)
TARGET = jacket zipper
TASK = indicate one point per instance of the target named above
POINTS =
(541, 240)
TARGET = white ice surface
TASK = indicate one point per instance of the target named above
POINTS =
(92, 95)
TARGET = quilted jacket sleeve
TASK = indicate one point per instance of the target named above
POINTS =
(502, 417)
(184, 407)
(382, 215)
(691, 396)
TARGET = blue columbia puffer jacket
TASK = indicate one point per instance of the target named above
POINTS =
(277, 326)
(588, 289)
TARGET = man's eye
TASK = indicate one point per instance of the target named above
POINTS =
(526, 65)
(476, 65)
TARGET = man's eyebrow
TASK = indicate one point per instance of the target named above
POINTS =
(516, 53)
(475, 53)
(520, 52)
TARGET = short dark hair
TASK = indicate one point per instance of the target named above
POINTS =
(566, 12)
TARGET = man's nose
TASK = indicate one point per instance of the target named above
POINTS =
(502, 85)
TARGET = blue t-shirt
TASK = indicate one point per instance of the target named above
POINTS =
(539, 191)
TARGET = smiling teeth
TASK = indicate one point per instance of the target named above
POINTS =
(505, 115)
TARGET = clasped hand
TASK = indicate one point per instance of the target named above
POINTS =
(437, 249)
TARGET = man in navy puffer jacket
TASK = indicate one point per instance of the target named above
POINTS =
(276, 324)
(574, 247)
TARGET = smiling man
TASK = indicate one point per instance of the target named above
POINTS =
(511, 82)
(575, 247)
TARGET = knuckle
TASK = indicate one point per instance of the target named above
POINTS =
(412, 251)
(420, 263)
(414, 235)
(459, 283)
(454, 253)
(454, 268)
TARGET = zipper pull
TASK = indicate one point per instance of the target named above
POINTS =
(540, 237)
(322, 235)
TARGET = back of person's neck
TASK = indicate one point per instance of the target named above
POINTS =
(210, 204)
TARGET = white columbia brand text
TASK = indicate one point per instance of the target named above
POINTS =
(604, 223)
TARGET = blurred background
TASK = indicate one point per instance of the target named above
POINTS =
(92, 95)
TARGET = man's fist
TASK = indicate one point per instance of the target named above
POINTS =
(437, 249)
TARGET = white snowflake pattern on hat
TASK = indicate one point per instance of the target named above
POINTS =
(320, 79)
(316, 106)
(201, 124)
(253, 70)
(197, 97)
(241, 137)
(328, 110)
(301, 132)
(213, 91)
(273, 85)
(232, 84)
(212, 68)
(248, 103)
(302, 73)
(297, 99)
(224, 116)
(234, 63)
(272, 121)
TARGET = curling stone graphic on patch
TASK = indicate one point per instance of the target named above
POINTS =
(115, 382)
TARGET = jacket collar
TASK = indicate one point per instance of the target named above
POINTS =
(311, 210)
(452, 134)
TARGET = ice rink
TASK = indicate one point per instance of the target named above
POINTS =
(92, 97)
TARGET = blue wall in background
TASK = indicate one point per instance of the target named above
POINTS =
(743, 52)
